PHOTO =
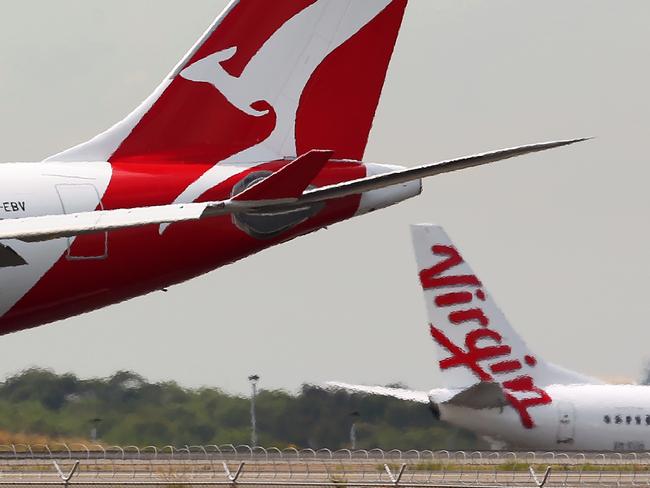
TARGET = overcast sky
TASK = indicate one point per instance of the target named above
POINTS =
(561, 239)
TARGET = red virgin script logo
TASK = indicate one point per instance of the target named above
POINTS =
(520, 391)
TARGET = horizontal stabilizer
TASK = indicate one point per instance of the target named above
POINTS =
(273, 200)
(36, 229)
(485, 394)
(399, 393)
(290, 181)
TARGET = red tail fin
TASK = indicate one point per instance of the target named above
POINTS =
(268, 80)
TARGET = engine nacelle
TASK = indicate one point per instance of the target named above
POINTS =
(385, 197)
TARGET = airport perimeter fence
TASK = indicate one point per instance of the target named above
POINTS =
(229, 465)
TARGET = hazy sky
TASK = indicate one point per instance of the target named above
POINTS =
(561, 239)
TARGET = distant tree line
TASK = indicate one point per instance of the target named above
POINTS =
(136, 412)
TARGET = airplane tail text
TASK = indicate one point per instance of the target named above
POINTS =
(475, 342)
(267, 81)
(483, 362)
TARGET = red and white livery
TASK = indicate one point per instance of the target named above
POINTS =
(494, 385)
(256, 137)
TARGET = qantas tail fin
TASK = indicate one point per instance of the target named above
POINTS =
(475, 342)
(268, 80)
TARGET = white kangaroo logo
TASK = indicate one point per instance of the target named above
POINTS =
(277, 74)
(210, 70)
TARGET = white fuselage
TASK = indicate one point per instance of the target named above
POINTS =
(48, 280)
(36, 189)
(580, 417)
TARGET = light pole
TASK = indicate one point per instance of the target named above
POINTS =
(353, 430)
(253, 379)
(93, 430)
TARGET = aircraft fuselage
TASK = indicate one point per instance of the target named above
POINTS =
(68, 276)
(580, 417)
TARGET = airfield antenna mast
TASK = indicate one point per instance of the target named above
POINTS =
(253, 379)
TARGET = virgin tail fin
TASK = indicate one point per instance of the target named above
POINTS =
(474, 340)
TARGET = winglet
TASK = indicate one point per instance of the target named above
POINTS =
(289, 182)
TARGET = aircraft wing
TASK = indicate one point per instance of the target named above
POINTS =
(399, 393)
(282, 191)
(355, 187)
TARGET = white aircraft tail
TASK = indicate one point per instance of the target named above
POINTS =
(475, 341)
(483, 362)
